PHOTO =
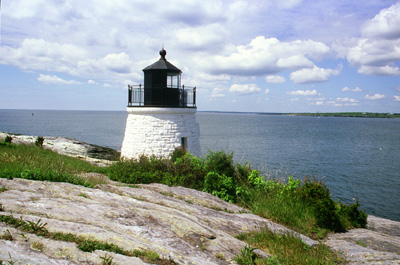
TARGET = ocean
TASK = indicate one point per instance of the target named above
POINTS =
(355, 157)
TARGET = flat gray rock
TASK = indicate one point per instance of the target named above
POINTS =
(379, 244)
(188, 226)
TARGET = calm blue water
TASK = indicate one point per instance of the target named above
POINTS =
(355, 157)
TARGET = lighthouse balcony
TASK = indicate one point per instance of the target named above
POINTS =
(170, 97)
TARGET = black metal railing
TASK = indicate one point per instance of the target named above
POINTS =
(184, 97)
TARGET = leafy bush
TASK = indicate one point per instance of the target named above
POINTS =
(39, 141)
(317, 195)
(351, 215)
(221, 163)
(189, 171)
(8, 139)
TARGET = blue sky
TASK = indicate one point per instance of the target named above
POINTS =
(249, 56)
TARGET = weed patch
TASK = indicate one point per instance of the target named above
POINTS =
(286, 249)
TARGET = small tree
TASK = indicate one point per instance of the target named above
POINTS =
(39, 141)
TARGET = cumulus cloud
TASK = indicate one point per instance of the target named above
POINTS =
(266, 91)
(374, 52)
(379, 70)
(312, 75)
(268, 56)
(119, 63)
(200, 38)
(378, 50)
(275, 79)
(52, 79)
(396, 98)
(38, 54)
(302, 93)
(374, 97)
(385, 24)
(347, 89)
(244, 89)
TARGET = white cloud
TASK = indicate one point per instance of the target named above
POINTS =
(385, 24)
(396, 98)
(275, 79)
(52, 79)
(267, 56)
(200, 38)
(312, 75)
(266, 91)
(374, 97)
(302, 93)
(92, 82)
(317, 99)
(119, 63)
(347, 89)
(379, 70)
(374, 52)
(351, 100)
(378, 51)
(38, 54)
(244, 89)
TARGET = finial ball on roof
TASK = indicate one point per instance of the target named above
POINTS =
(163, 53)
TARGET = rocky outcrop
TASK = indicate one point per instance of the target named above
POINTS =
(187, 226)
(378, 244)
(67, 146)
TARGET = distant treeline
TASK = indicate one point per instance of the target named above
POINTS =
(351, 114)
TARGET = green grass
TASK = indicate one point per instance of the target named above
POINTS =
(32, 162)
(286, 249)
(288, 210)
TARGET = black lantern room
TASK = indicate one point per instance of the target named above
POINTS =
(162, 87)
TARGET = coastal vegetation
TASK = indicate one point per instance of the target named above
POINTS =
(351, 114)
(302, 205)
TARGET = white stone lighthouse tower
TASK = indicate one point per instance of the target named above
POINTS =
(161, 114)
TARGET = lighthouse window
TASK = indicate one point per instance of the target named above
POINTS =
(184, 143)
(173, 81)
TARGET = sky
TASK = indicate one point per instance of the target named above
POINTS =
(245, 56)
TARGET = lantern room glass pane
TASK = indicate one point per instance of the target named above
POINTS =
(173, 81)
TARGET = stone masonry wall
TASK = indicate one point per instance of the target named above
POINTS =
(158, 131)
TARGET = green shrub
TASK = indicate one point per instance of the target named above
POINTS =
(351, 215)
(221, 186)
(8, 139)
(317, 195)
(189, 171)
(221, 163)
(39, 141)
(177, 153)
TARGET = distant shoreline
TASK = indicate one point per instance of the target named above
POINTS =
(351, 114)
(325, 114)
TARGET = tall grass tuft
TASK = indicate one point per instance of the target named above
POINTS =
(289, 249)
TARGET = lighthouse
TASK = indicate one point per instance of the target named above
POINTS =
(161, 114)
